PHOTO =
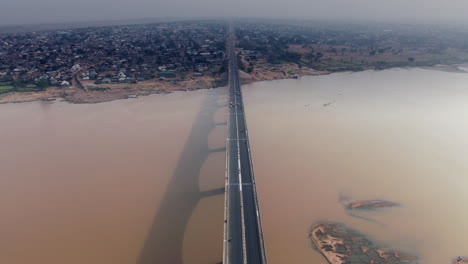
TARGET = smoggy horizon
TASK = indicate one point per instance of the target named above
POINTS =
(66, 11)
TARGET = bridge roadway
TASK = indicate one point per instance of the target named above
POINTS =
(243, 236)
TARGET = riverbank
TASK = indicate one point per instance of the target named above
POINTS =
(94, 93)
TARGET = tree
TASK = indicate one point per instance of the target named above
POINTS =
(42, 85)
(240, 64)
(318, 56)
(149, 52)
(411, 59)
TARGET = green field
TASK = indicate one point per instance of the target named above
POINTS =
(6, 88)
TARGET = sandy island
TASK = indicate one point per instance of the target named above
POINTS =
(340, 245)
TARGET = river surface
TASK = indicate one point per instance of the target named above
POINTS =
(140, 181)
(399, 135)
(136, 181)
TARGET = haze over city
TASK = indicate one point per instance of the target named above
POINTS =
(51, 11)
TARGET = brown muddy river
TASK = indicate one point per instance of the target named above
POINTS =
(133, 181)
(399, 135)
(140, 181)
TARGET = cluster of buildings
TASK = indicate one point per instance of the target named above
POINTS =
(269, 40)
(112, 54)
(133, 53)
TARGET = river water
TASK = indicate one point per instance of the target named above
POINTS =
(140, 181)
(132, 181)
(399, 135)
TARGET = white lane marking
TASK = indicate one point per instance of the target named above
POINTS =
(227, 214)
(244, 243)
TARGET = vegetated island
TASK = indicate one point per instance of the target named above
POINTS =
(342, 245)
(105, 63)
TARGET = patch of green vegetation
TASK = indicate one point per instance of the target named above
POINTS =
(415, 63)
(224, 67)
(99, 88)
(220, 83)
(338, 65)
(284, 58)
(6, 88)
(215, 69)
(361, 65)
(327, 247)
(301, 63)
(240, 64)
(23, 89)
(320, 235)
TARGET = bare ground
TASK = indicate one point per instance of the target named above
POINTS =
(109, 92)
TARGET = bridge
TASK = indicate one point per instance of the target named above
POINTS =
(243, 236)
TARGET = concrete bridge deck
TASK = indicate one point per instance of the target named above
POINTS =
(243, 234)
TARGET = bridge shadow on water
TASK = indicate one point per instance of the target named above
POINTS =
(164, 242)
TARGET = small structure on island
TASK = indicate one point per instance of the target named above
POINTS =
(65, 84)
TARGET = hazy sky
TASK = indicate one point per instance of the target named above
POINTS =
(45, 11)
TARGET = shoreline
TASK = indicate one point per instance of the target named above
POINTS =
(131, 91)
